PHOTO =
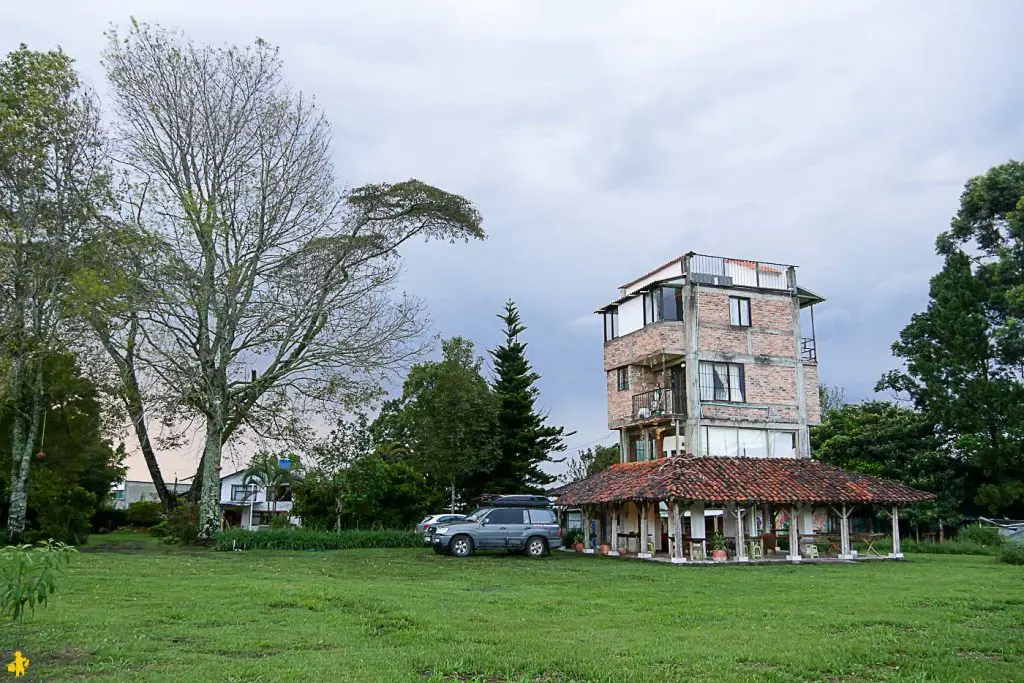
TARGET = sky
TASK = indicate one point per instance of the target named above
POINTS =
(600, 139)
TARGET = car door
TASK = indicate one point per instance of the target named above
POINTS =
(517, 528)
(494, 529)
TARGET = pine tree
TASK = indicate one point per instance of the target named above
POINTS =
(525, 440)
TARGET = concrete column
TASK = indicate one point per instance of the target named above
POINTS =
(896, 554)
(642, 550)
(794, 533)
(614, 541)
(697, 525)
(741, 539)
(585, 515)
(677, 531)
(623, 445)
(846, 548)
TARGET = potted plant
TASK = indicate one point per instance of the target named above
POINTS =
(573, 538)
(605, 548)
(718, 548)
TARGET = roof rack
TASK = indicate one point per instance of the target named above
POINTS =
(518, 501)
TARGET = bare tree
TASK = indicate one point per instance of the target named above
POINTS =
(54, 190)
(273, 288)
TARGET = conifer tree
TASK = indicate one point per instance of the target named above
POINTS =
(525, 440)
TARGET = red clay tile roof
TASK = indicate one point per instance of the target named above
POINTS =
(736, 480)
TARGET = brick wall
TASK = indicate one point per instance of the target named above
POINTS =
(745, 413)
(723, 339)
(774, 345)
(775, 384)
(669, 335)
(812, 398)
(620, 403)
(769, 312)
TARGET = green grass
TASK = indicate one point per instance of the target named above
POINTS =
(151, 612)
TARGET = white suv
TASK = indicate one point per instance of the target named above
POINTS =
(436, 519)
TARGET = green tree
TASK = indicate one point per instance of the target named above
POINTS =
(265, 472)
(445, 421)
(525, 440)
(74, 461)
(831, 398)
(319, 499)
(964, 355)
(886, 440)
(382, 494)
(54, 191)
(591, 461)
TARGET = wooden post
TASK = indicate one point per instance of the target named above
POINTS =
(794, 533)
(844, 533)
(614, 552)
(895, 554)
(642, 550)
(677, 530)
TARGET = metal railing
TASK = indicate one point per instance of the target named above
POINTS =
(658, 402)
(721, 270)
(809, 349)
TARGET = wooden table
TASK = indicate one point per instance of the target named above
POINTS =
(869, 540)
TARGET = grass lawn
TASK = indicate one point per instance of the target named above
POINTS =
(146, 612)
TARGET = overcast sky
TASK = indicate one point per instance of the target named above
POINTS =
(600, 139)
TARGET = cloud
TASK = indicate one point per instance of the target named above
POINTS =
(600, 139)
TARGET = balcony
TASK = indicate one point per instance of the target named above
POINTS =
(658, 403)
(733, 272)
(809, 349)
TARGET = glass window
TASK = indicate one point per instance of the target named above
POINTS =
(611, 323)
(506, 516)
(117, 495)
(753, 443)
(739, 311)
(542, 516)
(722, 382)
(240, 492)
(671, 300)
(622, 378)
(650, 308)
(783, 444)
(640, 448)
(721, 441)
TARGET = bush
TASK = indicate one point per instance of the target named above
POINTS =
(570, 537)
(158, 530)
(1012, 553)
(981, 535)
(28, 576)
(280, 522)
(144, 513)
(305, 539)
(183, 524)
(109, 519)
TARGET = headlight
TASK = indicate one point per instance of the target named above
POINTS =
(442, 531)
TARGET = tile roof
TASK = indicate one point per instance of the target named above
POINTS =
(736, 480)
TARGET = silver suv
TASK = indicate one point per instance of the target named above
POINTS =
(512, 523)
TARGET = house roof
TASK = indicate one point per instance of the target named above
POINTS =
(736, 480)
(632, 282)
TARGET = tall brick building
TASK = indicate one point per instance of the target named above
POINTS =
(711, 355)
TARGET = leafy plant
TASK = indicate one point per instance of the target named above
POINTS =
(30, 577)
(280, 522)
(1012, 553)
(981, 535)
(144, 513)
(183, 524)
(718, 542)
(158, 530)
(571, 537)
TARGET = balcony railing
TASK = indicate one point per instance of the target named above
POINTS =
(720, 270)
(658, 403)
(809, 349)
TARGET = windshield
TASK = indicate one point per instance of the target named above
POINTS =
(478, 514)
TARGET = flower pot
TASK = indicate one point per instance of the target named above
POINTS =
(719, 556)
(578, 547)
(605, 548)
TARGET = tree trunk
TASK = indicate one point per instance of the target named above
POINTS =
(942, 532)
(137, 413)
(209, 501)
(28, 407)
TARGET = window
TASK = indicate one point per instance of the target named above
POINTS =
(722, 382)
(733, 442)
(242, 492)
(542, 516)
(640, 450)
(622, 378)
(650, 308)
(611, 323)
(117, 495)
(783, 444)
(671, 303)
(506, 516)
(739, 311)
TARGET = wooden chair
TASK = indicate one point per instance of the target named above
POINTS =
(811, 550)
(769, 544)
(697, 552)
(756, 549)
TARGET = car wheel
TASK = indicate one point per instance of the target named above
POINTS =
(536, 547)
(462, 546)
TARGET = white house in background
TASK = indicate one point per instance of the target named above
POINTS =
(247, 505)
(123, 494)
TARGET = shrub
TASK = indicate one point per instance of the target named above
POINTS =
(571, 537)
(1012, 553)
(305, 539)
(158, 530)
(183, 524)
(280, 522)
(981, 535)
(144, 513)
(29, 576)
(109, 519)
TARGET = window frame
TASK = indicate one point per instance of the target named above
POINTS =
(707, 371)
(610, 318)
(738, 321)
(498, 511)
(622, 378)
(245, 488)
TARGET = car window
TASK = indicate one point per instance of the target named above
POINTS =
(542, 516)
(426, 519)
(477, 515)
(505, 516)
(449, 518)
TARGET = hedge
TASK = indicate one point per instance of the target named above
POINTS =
(303, 539)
